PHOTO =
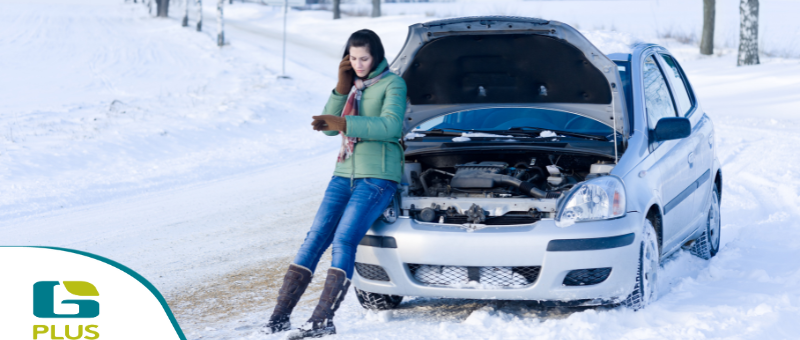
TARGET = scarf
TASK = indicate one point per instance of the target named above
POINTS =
(351, 109)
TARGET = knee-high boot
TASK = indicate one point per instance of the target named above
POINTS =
(321, 321)
(295, 283)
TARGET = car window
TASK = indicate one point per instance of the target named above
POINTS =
(657, 98)
(679, 88)
(624, 69)
(510, 117)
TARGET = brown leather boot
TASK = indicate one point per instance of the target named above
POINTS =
(321, 321)
(294, 284)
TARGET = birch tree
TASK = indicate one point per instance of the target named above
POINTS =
(336, 13)
(199, 4)
(376, 8)
(748, 32)
(185, 13)
(220, 32)
(707, 40)
(163, 8)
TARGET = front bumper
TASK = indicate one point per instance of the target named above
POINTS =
(507, 246)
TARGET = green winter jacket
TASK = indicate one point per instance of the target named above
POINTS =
(379, 124)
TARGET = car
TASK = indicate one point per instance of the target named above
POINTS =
(539, 168)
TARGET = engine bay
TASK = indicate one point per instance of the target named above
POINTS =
(497, 188)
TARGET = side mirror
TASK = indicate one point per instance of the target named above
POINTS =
(669, 128)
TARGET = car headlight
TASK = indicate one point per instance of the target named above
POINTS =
(598, 199)
(390, 214)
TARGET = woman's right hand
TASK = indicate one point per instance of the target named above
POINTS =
(345, 76)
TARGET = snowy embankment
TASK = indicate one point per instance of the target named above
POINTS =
(136, 139)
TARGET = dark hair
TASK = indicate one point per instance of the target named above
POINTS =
(367, 38)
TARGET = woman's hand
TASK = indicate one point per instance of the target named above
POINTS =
(329, 123)
(345, 76)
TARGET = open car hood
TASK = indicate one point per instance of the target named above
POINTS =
(474, 62)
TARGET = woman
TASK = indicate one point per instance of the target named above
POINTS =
(366, 108)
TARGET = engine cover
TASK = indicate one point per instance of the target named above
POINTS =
(477, 175)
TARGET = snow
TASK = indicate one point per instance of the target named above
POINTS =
(547, 133)
(142, 141)
(412, 135)
(466, 136)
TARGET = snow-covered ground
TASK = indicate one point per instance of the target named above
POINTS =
(139, 140)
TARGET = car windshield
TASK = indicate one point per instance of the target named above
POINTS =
(498, 119)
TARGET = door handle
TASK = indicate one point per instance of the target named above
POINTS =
(691, 159)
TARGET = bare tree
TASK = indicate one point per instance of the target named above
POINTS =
(336, 13)
(748, 32)
(220, 32)
(707, 41)
(376, 8)
(199, 15)
(162, 8)
(185, 13)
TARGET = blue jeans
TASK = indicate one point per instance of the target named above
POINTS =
(345, 215)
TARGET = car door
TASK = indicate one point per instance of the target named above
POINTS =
(701, 140)
(672, 157)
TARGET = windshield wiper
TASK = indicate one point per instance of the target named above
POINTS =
(559, 132)
(439, 132)
(442, 132)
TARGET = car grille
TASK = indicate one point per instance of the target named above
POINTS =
(372, 272)
(499, 220)
(456, 276)
(586, 277)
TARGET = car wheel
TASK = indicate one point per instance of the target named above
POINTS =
(645, 291)
(375, 301)
(707, 245)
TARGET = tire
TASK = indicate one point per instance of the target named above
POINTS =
(375, 301)
(707, 245)
(644, 291)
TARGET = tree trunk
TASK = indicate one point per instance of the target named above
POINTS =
(707, 40)
(185, 22)
(199, 15)
(376, 8)
(336, 13)
(163, 8)
(220, 32)
(748, 33)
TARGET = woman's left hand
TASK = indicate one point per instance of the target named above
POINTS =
(329, 123)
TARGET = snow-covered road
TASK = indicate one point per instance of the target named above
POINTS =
(139, 140)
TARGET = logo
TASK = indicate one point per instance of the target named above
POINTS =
(44, 304)
(44, 307)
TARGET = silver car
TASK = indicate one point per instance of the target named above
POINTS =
(539, 168)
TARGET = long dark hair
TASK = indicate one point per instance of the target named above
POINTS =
(367, 38)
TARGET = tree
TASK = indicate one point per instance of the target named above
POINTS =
(336, 13)
(199, 15)
(376, 8)
(220, 32)
(162, 8)
(748, 32)
(185, 13)
(707, 40)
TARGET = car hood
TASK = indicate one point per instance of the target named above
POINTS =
(469, 63)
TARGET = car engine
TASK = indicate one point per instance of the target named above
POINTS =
(502, 190)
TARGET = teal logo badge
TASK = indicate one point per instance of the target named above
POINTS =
(44, 301)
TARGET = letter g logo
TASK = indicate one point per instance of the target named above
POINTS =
(44, 304)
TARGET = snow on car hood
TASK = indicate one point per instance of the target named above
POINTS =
(476, 62)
